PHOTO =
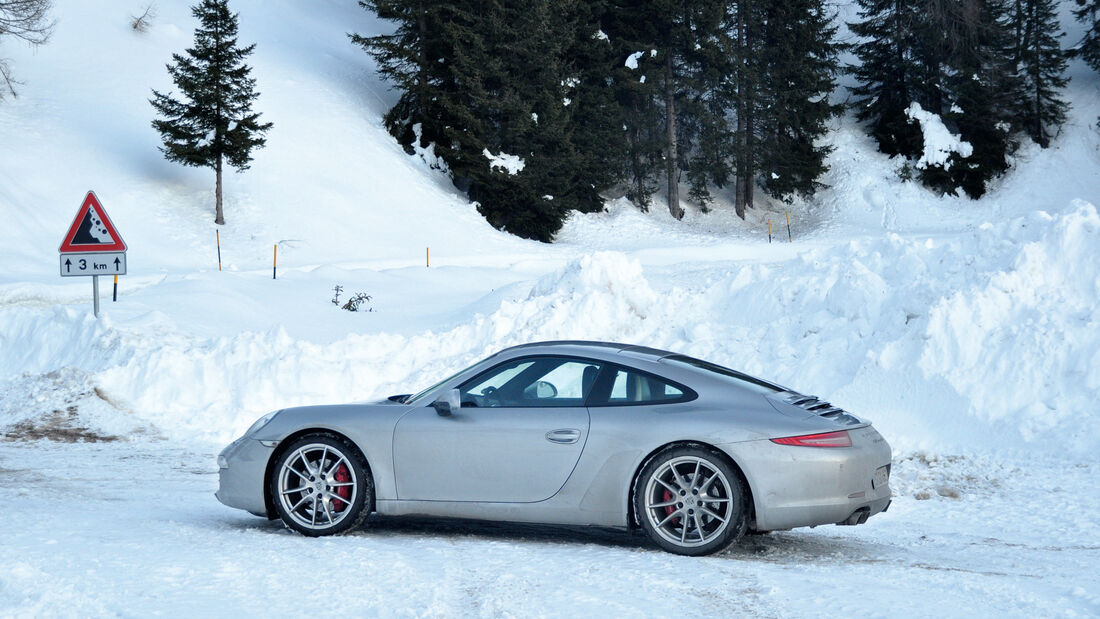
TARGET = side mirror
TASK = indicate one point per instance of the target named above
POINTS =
(448, 402)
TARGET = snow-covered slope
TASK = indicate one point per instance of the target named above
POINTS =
(954, 324)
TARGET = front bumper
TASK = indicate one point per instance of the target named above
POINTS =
(241, 482)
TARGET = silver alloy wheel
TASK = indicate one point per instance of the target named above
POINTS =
(688, 501)
(317, 486)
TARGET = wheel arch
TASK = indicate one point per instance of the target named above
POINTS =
(632, 516)
(269, 470)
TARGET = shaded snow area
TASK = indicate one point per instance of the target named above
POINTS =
(966, 331)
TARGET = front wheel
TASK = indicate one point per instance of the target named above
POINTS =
(690, 501)
(322, 486)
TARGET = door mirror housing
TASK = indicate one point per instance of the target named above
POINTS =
(449, 402)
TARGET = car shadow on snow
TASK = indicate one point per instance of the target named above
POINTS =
(778, 547)
(500, 531)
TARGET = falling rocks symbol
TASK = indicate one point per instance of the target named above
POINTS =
(91, 231)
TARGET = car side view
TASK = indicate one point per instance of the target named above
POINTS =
(574, 433)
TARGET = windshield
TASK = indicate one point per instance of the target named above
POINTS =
(438, 385)
(731, 376)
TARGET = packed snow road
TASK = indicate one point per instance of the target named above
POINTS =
(131, 527)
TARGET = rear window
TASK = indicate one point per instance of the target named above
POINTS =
(620, 386)
(725, 374)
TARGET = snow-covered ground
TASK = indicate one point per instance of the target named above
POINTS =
(967, 331)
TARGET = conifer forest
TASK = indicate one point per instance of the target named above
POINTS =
(648, 98)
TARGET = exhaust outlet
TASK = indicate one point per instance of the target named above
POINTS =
(858, 517)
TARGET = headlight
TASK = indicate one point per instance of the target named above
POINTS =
(261, 422)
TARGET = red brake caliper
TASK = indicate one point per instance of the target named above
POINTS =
(344, 492)
(669, 508)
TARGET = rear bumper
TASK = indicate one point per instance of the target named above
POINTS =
(811, 486)
(241, 484)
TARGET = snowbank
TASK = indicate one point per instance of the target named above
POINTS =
(984, 341)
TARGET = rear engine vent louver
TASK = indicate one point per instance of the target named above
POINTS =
(822, 409)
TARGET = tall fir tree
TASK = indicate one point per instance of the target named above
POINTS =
(708, 135)
(800, 63)
(980, 94)
(1041, 64)
(748, 78)
(956, 60)
(502, 77)
(408, 59)
(214, 122)
(595, 119)
(1088, 13)
(655, 37)
(897, 41)
(634, 76)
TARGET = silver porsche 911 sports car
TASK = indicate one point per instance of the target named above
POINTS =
(580, 433)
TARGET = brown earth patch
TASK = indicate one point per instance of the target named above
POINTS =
(62, 426)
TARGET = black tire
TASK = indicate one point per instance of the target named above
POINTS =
(676, 515)
(322, 485)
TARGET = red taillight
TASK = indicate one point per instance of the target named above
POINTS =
(825, 439)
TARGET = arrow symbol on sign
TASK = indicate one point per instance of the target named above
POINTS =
(116, 263)
(68, 264)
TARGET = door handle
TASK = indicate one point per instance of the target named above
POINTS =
(563, 437)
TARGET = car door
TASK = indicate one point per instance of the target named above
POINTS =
(516, 438)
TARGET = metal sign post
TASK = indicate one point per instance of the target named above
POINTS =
(92, 247)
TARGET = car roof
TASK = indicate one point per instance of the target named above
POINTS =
(578, 346)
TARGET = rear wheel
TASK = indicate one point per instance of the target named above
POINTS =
(690, 501)
(322, 486)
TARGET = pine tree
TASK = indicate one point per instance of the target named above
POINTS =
(654, 37)
(408, 58)
(635, 80)
(800, 62)
(595, 120)
(980, 92)
(897, 41)
(214, 122)
(1042, 66)
(1088, 13)
(708, 135)
(747, 80)
(953, 58)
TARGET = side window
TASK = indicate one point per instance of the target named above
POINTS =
(532, 383)
(496, 378)
(632, 387)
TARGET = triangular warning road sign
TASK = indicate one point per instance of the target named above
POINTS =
(92, 230)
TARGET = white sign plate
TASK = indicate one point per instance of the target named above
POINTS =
(104, 263)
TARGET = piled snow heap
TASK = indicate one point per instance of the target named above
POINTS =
(987, 340)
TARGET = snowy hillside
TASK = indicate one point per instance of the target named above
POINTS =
(967, 331)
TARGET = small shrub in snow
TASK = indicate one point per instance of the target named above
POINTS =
(141, 23)
(356, 301)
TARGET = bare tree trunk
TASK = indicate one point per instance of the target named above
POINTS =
(750, 146)
(219, 217)
(673, 164)
(739, 174)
